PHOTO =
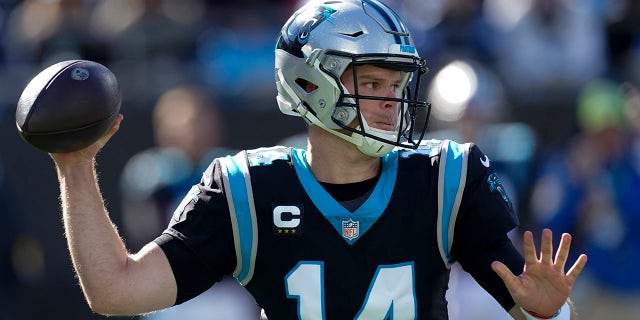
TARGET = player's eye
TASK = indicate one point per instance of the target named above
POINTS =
(371, 85)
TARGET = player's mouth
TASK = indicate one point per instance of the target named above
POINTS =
(384, 125)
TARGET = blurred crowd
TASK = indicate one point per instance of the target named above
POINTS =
(547, 88)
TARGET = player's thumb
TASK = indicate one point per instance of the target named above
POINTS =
(509, 279)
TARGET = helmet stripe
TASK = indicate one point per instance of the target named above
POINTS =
(391, 18)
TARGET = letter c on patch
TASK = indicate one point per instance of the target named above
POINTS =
(286, 216)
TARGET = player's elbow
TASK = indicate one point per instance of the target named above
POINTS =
(110, 309)
(108, 303)
(105, 306)
(100, 307)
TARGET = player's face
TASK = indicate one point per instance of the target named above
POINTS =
(379, 82)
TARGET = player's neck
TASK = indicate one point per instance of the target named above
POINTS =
(335, 160)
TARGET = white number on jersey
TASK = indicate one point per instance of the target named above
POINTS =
(391, 294)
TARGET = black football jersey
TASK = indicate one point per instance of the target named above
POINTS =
(263, 217)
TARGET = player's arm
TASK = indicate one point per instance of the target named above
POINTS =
(113, 281)
(490, 257)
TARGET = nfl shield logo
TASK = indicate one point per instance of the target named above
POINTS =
(350, 229)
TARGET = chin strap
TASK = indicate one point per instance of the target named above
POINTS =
(563, 314)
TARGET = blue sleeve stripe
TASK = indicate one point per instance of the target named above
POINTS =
(452, 178)
(237, 183)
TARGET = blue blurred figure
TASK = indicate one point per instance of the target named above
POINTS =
(590, 188)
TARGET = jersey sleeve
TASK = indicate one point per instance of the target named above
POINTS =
(198, 241)
(484, 218)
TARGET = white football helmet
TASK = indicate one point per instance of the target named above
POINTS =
(319, 42)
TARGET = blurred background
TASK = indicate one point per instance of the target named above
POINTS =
(547, 88)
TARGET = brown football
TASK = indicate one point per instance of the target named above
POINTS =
(68, 106)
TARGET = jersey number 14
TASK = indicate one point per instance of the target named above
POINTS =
(391, 294)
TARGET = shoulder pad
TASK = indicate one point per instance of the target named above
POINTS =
(266, 156)
(429, 148)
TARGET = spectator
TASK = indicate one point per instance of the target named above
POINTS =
(552, 36)
(590, 188)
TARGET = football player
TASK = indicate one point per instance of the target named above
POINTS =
(362, 224)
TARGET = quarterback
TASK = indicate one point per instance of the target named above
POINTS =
(364, 223)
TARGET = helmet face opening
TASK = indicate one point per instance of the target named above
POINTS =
(325, 39)
(406, 133)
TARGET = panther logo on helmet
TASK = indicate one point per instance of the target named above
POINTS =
(299, 28)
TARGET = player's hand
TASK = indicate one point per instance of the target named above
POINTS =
(543, 287)
(88, 154)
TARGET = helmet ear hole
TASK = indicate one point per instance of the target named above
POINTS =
(306, 85)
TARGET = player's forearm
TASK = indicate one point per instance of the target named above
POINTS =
(98, 254)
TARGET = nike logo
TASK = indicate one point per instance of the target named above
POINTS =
(485, 161)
